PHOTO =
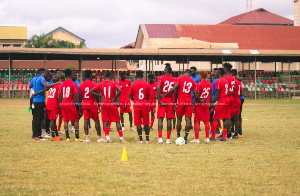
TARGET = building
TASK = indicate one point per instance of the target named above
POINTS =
(296, 13)
(62, 34)
(258, 17)
(13, 36)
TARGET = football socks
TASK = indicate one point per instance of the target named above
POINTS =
(120, 133)
(207, 128)
(152, 121)
(159, 133)
(106, 131)
(67, 134)
(214, 129)
(168, 135)
(196, 129)
(240, 131)
(224, 133)
(77, 133)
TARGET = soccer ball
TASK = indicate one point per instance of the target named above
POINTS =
(180, 141)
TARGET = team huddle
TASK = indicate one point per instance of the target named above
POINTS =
(190, 95)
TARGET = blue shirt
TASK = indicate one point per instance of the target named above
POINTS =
(196, 79)
(214, 86)
(77, 84)
(32, 82)
(38, 86)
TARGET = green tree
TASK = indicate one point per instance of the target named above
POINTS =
(43, 41)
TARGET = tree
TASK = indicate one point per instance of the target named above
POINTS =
(43, 41)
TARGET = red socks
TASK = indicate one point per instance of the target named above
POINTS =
(120, 133)
(109, 123)
(152, 121)
(106, 131)
(207, 128)
(168, 135)
(59, 122)
(220, 126)
(196, 129)
(214, 129)
(224, 133)
(159, 133)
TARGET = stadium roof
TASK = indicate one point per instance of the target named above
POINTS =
(258, 17)
(244, 36)
(63, 29)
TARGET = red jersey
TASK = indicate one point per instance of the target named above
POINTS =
(186, 86)
(52, 102)
(222, 85)
(153, 91)
(84, 90)
(231, 81)
(125, 90)
(166, 82)
(140, 91)
(68, 89)
(204, 88)
(238, 89)
(108, 89)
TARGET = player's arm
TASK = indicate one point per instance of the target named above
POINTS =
(171, 91)
(196, 95)
(158, 94)
(216, 96)
(39, 92)
(117, 95)
(131, 96)
(93, 92)
(47, 85)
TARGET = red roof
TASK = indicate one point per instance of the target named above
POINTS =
(162, 31)
(246, 36)
(258, 17)
(61, 64)
(131, 45)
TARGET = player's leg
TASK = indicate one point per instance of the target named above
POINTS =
(235, 125)
(119, 128)
(169, 130)
(68, 139)
(86, 130)
(76, 125)
(178, 126)
(160, 127)
(140, 133)
(196, 130)
(227, 125)
(240, 131)
(39, 107)
(60, 119)
(147, 133)
(130, 121)
(98, 129)
(122, 121)
(43, 125)
(214, 126)
(106, 131)
(152, 120)
(72, 127)
(188, 122)
(207, 128)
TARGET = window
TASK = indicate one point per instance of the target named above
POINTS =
(17, 45)
(6, 45)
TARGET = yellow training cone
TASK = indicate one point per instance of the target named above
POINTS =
(124, 155)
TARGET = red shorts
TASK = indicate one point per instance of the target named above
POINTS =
(236, 108)
(69, 113)
(90, 111)
(166, 110)
(153, 107)
(125, 107)
(141, 117)
(202, 113)
(52, 114)
(222, 110)
(110, 113)
(184, 109)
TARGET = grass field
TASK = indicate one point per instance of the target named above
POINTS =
(266, 161)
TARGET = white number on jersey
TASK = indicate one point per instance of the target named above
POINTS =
(52, 92)
(205, 93)
(167, 86)
(107, 95)
(87, 90)
(226, 89)
(239, 92)
(232, 86)
(66, 92)
(141, 95)
(187, 87)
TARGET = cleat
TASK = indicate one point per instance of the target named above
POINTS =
(223, 140)
(55, 139)
(132, 129)
(87, 140)
(46, 136)
(174, 129)
(58, 137)
(100, 140)
(148, 142)
(122, 141)
(123, 128)
(140, 142)
(160, 141)
(168, 141)
(240, 136)
(207, 140)
(108, 141)
(212, 140)
(235, 137)
(197, 141)
(78, 140)
(68, 140)
(90, 130)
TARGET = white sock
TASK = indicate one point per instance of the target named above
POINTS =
(121, 138)
(107, 137)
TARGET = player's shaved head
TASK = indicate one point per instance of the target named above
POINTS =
(88, 73)
(188, 72)
(41, 71)
(222, 71)
(108, 74)
(68, 73)
(168, 70)
(234, 72)
(139, 74)
(227, 67)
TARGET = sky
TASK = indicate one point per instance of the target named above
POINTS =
(114, 23)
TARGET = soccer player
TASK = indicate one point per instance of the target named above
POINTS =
(52, 106)
(109, 92)
(152, 98)
(236, 105)
(203, 96)
(139, 95)
(90, 106)
(67, 92)
(165, 104)
(222, 105)
(184, 85)
(125, 105)
(231, 80)
(213, 74)
(77, 82)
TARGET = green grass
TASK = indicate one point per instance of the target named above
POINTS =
(266, 161)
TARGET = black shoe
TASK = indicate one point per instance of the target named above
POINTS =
(218, 131)
(223, 140)
(220, 136)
